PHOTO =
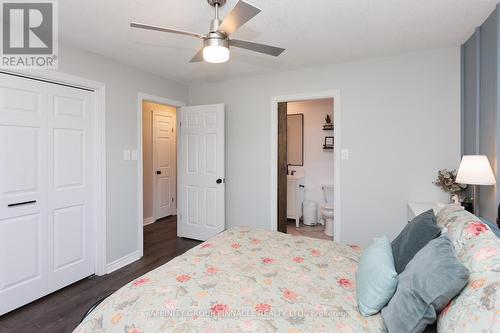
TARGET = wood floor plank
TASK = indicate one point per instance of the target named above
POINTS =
(316, 231)
(62, 311)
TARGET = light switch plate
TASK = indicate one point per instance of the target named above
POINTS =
(133, 155)
(126, 155)
(344, 154)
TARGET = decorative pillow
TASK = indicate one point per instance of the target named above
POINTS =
(415, 235)
(460, 225)
(493, 227)
(376, 278)
(475, 309)
(446, 213)
(431, 279)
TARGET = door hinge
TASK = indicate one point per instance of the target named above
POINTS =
(172, 199)
(180, 123)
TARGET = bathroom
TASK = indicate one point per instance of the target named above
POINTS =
(310, 160)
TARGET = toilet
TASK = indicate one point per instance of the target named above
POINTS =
(327, 209)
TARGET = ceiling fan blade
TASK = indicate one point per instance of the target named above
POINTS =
(261, 48)
(198, 57)
(239, 15)
(154, 28)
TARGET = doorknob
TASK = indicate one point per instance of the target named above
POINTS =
(158, 172)
(219, 181)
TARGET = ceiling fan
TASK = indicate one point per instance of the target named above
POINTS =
(217, 42)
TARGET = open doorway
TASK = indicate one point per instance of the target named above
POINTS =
(309, 154)
(159, 161)
(184, 185)
(157, 171)
(306, 165)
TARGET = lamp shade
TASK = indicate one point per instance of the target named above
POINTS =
(475, 170)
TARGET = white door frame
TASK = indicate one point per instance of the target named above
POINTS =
(143, 97)
(335, 94)
(99, 89)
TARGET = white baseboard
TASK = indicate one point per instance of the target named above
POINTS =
(123, 261)
(149, 220)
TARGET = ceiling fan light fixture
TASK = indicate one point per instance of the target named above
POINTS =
(216, 51)
(216, 43)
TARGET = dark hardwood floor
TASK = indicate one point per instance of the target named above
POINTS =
(62, 311)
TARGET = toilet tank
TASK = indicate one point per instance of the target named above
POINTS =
(327, 192)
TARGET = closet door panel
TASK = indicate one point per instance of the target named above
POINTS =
(70, 190)
(23, 182)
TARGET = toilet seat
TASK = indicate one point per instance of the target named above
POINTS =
(327, 213)
(328, 205)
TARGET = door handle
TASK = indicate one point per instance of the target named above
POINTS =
(21, 203)
(158, 172)
(220, 181)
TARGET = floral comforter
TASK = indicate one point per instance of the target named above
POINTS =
(243, 280)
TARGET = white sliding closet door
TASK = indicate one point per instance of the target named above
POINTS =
(23, 192)
(47, 188)
(71, 183)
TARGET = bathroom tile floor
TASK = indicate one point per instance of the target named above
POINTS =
(316, 231)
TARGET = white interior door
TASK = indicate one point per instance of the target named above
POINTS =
(47, 181)
(164, 162)
(201, 191)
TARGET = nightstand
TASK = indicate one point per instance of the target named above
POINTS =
(417, 208)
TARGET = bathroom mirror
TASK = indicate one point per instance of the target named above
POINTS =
(295, 139)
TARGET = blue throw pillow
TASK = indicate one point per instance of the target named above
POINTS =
(415, 235)
(377, 278)
(429, 282)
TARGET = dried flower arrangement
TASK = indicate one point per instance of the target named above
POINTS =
(446, 180)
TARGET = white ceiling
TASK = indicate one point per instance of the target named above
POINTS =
(314, 32)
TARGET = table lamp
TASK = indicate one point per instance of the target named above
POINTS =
(475, 170)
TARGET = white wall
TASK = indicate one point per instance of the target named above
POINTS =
(123, 83)
(318, 164)
(400, 121)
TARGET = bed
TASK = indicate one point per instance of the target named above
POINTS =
(243, 280)
(247, 280)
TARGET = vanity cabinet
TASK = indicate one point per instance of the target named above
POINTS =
(295, 197)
